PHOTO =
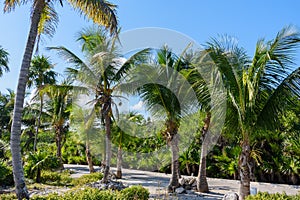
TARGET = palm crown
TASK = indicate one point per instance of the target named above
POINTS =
(101, 11)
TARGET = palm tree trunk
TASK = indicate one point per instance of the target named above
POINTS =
(202, 185)
(104, 155)
(21, 190)
(187, 166)
(245, 170)
(38, 125)
(38, 175)
(58, 139)
(173, 143)
(89, 156)
(119, 162)
(108, 145)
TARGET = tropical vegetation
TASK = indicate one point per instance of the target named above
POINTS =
(78, 119)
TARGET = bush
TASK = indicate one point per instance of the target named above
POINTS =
(277, 196)
(56, 178)
(38, 161)
(88, 178)
(134, 192)
(85, 194)
(11, 196)
(88, 193)
(6, 175)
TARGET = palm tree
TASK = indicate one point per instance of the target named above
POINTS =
(258, 89)
(59, 107)
(120, 136)
(164, 92)
(3, 61)
(205, 81)
(40, 74)
(6, 108)
(84, 124)
(37, 161)
(44, 20)
(100, 75)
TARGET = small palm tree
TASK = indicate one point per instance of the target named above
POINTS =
(259, 89)
(100, 75)
(59, 107)
(44, 19)
(119, 136)
(3, 61)
(6, 108)
(38, 161)
(84, 121)
(40, 74)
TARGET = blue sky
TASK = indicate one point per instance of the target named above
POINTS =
(246, 20)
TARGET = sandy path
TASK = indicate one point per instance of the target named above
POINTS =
(157, 182)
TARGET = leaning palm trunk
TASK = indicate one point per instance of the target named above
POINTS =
(173, 143)
(107, 143)
(244, 165)
(20, 185)
(119, 162)
(202, 185)
(38, 123)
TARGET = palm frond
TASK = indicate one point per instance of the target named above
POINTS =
(274, 60)
(3, 61)
(10, 5)
(136, 59)
(79, 65)
(100, 11)
(48, 22)
(230, 59)
(90, 38)
(286, 94)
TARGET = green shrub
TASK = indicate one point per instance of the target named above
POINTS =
(49, 176)
(92, 193)
(52, 196)
(88, 193)
(11, 196)
(88, 178)
(134, 192)
(85, 194)
(63, 178)
(277, 196)
(36, 162)
(76, 160)
(6, 175)
(56, 178)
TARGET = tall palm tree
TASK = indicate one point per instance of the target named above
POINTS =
(43, 21)
(164, 92)
(258, 89)
(3, 61)
(40, 74)
(205, 81)
(100, 75)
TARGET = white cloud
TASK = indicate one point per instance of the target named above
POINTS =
(138, 106)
